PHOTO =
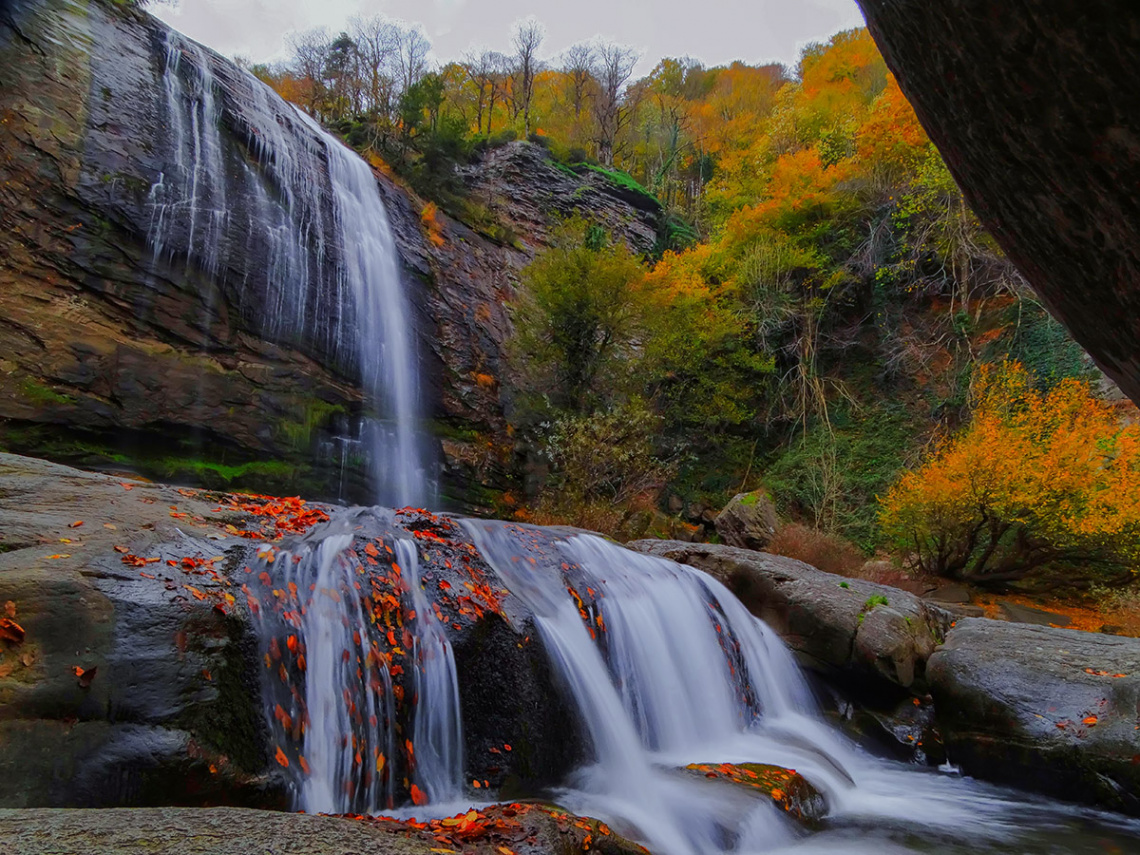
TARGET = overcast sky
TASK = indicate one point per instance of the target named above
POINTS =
(713, 31)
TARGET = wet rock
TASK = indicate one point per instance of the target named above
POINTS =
(165, 708)
(1035, 106)
(790, 791)
(525, 829)
(868, 637)
(748, 521)
(1051, 710)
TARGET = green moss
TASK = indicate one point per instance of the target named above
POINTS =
(750, 499)
(621, 179)
(41, 394)
(315, 414)
(212, 473)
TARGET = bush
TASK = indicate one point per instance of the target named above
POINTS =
(603, 466)
(1040, 483)
(827, 552)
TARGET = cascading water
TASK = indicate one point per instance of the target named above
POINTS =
(665, 667)
(312, 210)
(349, 641)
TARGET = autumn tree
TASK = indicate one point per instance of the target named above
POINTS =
(1041, 483)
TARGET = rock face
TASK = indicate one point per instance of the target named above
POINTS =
(867, 637)
(530, 829)
(1052, 709)
(168, 712)
(1035, 106)
(748, 521)
(160, 599)
(130, 339)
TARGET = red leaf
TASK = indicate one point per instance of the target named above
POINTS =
(282, 760)
(418, 796)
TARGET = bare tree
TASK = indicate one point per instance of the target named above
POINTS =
(484, 70)
(613, 66)
(578, 66)
(378, 46)
(310, 58)
(412, 56)
(527, 39)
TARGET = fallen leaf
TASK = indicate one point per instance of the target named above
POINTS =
(418, 796)
(1090, 720)
(76, 524)
(110, 527)
(85, 675)
(11, 631)
(282, 760)
(60, 555)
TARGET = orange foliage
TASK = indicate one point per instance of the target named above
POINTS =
(429, 218)
(1038, 480)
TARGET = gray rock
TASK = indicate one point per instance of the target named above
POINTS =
(1039, 617)
(748, 521)
(1018, 704)
(869, 637)
(230, 831)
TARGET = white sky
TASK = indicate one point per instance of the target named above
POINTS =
(713, 31)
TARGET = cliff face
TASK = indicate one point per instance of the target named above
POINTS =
(168, 297)
(1035, 106)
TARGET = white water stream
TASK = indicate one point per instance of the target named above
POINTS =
(312, 210)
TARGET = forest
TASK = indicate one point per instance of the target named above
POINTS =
(812, 323)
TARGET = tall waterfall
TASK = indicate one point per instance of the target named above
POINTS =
(312, 209)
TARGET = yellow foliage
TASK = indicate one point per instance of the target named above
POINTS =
(1038, 480)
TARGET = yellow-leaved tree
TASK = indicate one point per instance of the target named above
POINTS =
(1041, 483)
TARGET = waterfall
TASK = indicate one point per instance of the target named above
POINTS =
(352, 651)
(311, 211)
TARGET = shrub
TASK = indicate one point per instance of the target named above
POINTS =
(1040, 483)
(603, 466)
(827, 552)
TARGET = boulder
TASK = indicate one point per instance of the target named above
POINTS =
(528, 829)
(868, 637)
(791, 791)
(1052, 710)
(1035, 106)
(748, 521)
(137, 620)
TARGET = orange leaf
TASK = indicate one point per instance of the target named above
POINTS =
(1090, 720)
(282, 760)
(418, 796)
(10, 609)
(11, 631)
(76, 524)
(85, 675)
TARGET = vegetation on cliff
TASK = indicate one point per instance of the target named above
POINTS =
(817, 305)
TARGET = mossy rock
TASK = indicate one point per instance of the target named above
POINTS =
(786, 787)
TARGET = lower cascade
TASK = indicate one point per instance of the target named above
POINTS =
(660, 665)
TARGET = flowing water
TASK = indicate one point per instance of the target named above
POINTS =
(665, 668)
(664, 665)
(311, 209)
